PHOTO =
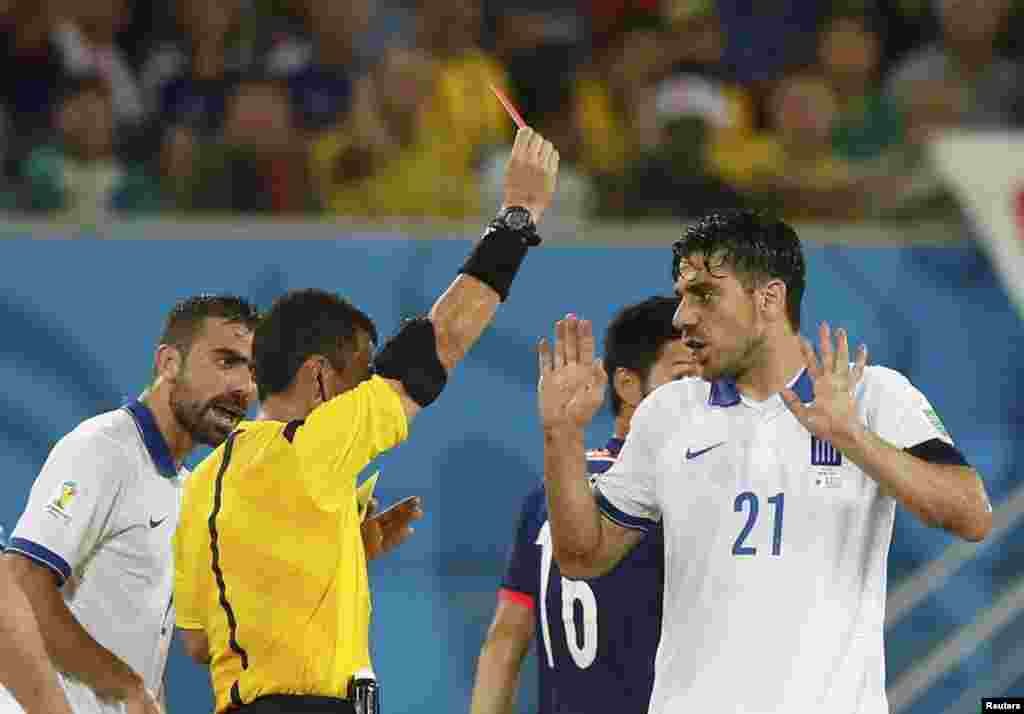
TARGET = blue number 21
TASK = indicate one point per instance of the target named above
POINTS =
(778, 501)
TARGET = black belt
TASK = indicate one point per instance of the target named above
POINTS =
(297, 704)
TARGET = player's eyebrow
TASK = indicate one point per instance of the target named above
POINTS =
(233, 355)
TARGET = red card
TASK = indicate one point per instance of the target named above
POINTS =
(508, 107)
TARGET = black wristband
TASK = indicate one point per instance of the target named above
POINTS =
(496, 258)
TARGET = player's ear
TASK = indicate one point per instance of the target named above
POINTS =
(772, 299)
(169, 361)
(628, 385)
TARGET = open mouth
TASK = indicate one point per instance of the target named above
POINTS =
(226, 415)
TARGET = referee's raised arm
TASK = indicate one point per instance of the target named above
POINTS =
(271, 578)
(417, 360)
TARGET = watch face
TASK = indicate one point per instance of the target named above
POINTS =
(517, 218)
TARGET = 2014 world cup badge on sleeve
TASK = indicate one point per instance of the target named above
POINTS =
(826, 463)
(63, 498)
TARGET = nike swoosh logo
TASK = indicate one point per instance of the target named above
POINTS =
(691, 454)
(156, 524)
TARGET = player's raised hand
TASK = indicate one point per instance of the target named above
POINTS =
(832, 416)
(531, 173)
(572, 381)
(385, 531)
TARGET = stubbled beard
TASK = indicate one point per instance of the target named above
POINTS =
(191, 416)
(739, 365)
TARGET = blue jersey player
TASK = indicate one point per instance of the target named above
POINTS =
(596, 639)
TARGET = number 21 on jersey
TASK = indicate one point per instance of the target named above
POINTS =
(749, 501)
(582, 645)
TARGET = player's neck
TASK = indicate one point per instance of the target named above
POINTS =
(283, 407)
(179, 441)
(780, 361)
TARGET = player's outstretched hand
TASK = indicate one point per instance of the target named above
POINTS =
(572, 381)
(385, 531)
(832, 416)
(531, 173)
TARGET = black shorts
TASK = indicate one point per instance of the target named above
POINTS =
(295, 704)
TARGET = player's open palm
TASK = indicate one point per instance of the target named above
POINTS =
(832, 415)
(571, 387)
(531, 173)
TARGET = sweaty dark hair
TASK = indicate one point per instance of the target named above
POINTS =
(635, 337)
(302, 323)
(186, 319)
(756, 247)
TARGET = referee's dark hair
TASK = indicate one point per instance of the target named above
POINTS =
(302, 323)
(756, 247)
(185, 320)
(634, 339)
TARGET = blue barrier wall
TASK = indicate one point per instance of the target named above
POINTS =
(80, 320)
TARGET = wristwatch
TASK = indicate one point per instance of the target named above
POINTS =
(516, 218)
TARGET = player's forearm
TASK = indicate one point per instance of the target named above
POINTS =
(25, 670)
(497, 678)
(76, 653)
(572, 511)
(941, 495)
(460, 316)
(72, 649)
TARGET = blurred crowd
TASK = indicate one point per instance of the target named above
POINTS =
(382, 108)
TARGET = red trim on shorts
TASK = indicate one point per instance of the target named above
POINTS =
(516, 597)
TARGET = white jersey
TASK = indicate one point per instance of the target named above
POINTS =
(775, 546)
(101, 515)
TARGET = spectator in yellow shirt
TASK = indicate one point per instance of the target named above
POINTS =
(394, 155)
(449, 30)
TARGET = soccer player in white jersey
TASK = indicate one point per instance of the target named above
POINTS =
(775, 481)
(92, 550)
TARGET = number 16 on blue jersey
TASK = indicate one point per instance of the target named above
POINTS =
(573, 591)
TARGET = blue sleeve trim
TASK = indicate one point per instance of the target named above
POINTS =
(41, 555)
(599, 465)
(622, 518)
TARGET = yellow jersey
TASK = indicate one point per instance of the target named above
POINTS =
(269, 557)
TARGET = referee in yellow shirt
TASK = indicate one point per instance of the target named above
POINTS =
(270, 585)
